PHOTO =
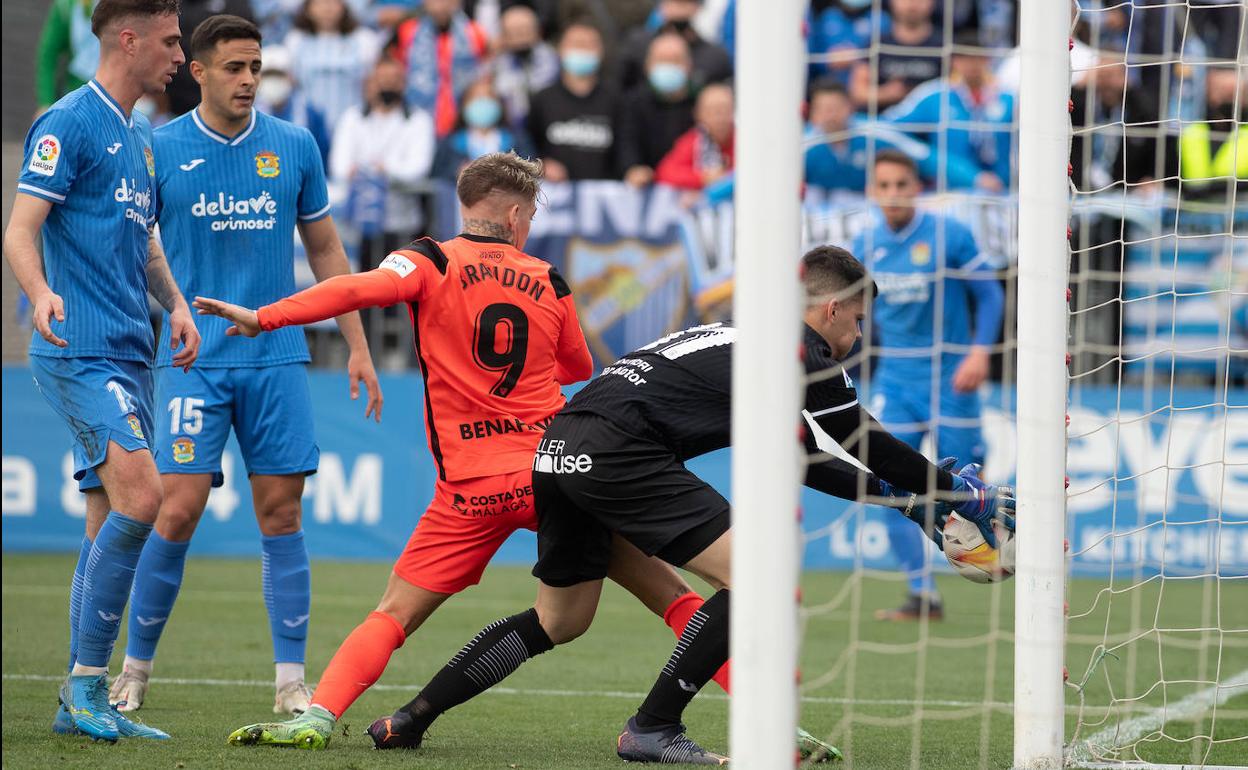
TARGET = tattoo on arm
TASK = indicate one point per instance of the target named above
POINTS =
(160, 283)
(487, 228)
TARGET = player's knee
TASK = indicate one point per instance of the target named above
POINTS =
(140, 502)
(563, 628)
(281, 518)
(177, 521)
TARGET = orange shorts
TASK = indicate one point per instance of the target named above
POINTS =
(463, 528)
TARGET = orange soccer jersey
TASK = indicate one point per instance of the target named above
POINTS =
(496, 334)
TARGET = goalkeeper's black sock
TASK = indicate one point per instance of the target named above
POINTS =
(485, 661)
(701, 650)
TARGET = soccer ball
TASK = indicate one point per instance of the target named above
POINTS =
(974, 559)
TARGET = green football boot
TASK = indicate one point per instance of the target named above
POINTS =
(811, 749)
(310, 730)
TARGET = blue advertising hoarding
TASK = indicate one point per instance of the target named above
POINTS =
(1157, 486)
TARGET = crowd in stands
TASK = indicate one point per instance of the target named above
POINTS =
(398, 92)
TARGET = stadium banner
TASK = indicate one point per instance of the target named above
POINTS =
(375, 479)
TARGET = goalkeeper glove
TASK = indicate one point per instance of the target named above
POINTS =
(910, 507)
(980, 502)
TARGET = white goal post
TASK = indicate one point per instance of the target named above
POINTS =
(1043, 261)
(766, 384)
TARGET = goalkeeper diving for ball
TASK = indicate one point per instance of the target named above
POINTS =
(611, 467)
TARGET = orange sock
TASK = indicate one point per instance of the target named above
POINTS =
(358, 664)
(677, 615)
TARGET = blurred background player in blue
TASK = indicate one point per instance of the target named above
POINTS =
(965, 121)
(930, 275)
(233, 184)
(88, 187)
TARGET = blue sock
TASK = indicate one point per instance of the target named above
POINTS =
(106, 586)
(287, 594)
(909, 545)
(156, 584)
(75, 599)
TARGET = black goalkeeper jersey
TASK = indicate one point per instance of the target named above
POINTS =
(678, 392)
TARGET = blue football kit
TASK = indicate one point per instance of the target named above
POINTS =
(94, 164)
(229, 208)
(931, 277)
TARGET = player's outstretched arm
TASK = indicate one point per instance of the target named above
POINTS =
(160, 284)
(327, 259)
(27, 217)
(246, 321)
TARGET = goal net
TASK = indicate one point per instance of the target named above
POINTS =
(1119, 362)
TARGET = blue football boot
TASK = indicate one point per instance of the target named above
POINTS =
(86, 700)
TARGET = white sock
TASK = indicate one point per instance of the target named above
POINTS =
(288, 673)
(140, 667)
(81, 670)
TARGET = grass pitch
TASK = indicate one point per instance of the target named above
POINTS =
(892, 696)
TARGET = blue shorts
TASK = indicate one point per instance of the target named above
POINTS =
(907, 413)
(101, 400)
(270, 408)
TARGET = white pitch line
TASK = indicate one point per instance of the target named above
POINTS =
(1128, 732)
(413, 688)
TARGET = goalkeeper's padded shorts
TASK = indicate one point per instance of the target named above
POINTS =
(594, 480)
(269, 408)
(463, 528)
(101, 400)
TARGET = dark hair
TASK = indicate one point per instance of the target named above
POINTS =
(889, 155)
(830, 270)
(505, 172)
(219, 29)
(346, 25)
(585, 22)
(108, 11)
(828, 85)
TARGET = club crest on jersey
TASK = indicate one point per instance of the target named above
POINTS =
(47, 152)
(151, 162)
(267, 164)
(920, 254)
(183, 450)
(135, 427)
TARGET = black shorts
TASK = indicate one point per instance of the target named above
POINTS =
(593, 480)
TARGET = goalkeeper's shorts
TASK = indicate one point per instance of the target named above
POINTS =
(593, 480)
(463, 528)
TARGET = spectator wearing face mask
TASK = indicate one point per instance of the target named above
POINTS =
(655, 113)
(524, 64)
(1214, 152)
(380, 151)
(702, 156)
(481, 128)
(445, 52)
(277, 95)
(331, 56)
(572, 122)
(709, 62)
